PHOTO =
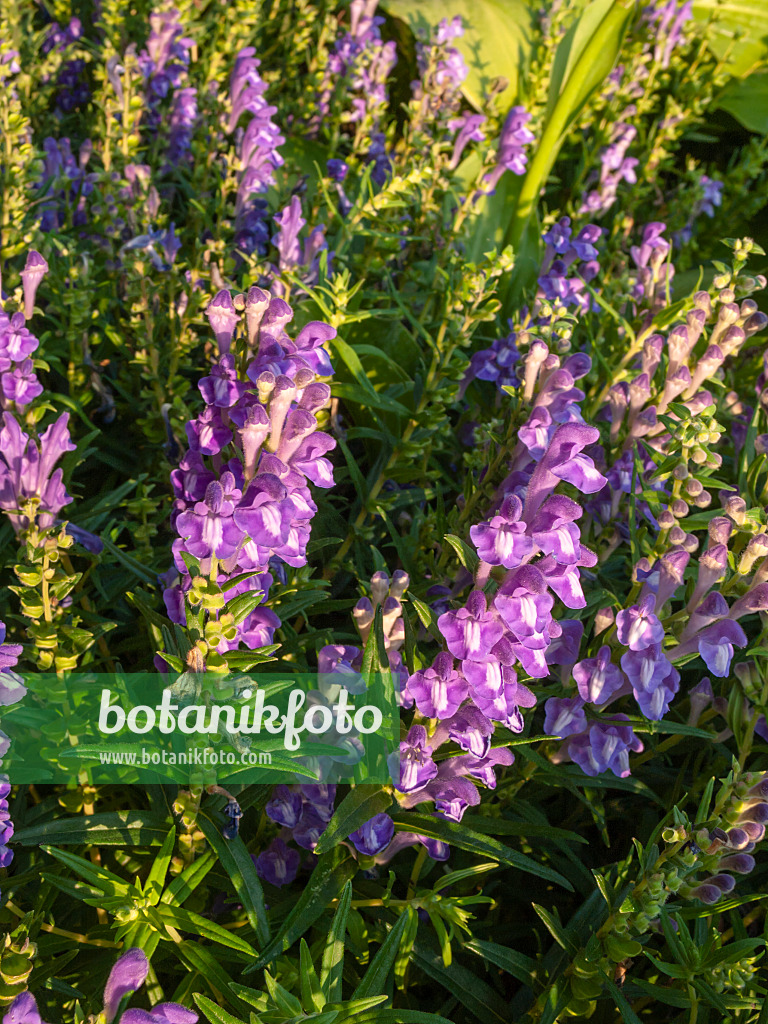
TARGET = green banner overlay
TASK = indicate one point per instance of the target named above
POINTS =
(202, 729)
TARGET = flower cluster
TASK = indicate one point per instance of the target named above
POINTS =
(65, 185)
(536, 543)
(364, 62)
(510, 154)
(615, 167)
(258, 151)
(164, 66)
(17, 344)
(242, 499)
(72, 89)
(569, 264)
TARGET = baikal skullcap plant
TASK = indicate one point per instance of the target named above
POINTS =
(383, 512)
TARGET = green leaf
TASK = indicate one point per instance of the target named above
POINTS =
(747, 100)
(112, 828)
(214, 1013)
(395, 1016)
(333, 954)
(485, 846)
(359, 805)
(375, 978)
(747, 18)
(187, 921)
(517, 964)
(182, 887)
(237, 862)
(311, 990)
(97, 876)
(555, 928)
(497, 39)
(467, 556)
(156, 877)
(332, 871)
(628, 1015)
(590, 51)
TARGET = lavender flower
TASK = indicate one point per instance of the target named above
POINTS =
(278, 864)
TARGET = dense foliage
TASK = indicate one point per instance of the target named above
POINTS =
(427, 339)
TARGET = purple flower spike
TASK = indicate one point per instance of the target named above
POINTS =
(33, 273)
(279, 864)
(638, 627)
(440, 690)
(472, 631)
(128, 975)
(374, 836)
(223, 319)
(597, 678)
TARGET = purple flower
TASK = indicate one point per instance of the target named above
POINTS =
(716, 644)
(439, 690)
(414, 762)
(23, 1010)
(33, 273)
(638, 627)
(9, 653)
(564, 460)
(374, 836)
(309, 828)
(597, 678)
(502, 541)
(266, 512)
(127, 975)
(209, 528)
(471, 631)
(223, 319)
(21, 385)
(284, 807)
(278, 864)
(496, 692)
(222, 387)
(554, 529)
(604, 746)
(469, 727)
(564, 716)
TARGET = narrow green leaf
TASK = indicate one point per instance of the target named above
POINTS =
(333, 954)
(156, 878)
(485, 846)
(185, 920)
(628, 1015)
(215, 1014)
(375, 978)
(311, 990)
(519, 965)
(112, 828)
(237, 863)
(472, 992)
